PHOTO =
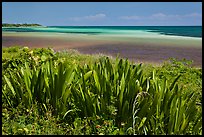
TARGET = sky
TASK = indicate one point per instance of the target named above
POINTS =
(104, 13)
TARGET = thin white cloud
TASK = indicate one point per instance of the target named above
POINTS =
(90, 17)
(130, 17)
(161, 16)
(97, 16)
(193, 15)
(75, 18)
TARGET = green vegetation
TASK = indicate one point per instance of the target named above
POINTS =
(68, 93)
(20, 25)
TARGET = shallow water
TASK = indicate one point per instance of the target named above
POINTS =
(135, 44)
(188, 31)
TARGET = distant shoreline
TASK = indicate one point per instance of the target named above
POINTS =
(27, 27)
(10, 25)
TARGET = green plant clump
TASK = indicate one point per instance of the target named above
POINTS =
(44, 92)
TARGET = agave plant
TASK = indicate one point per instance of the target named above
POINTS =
(165, 109)
(105, 84)
(46, 85)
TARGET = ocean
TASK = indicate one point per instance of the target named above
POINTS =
(137, 43)
(184, 31)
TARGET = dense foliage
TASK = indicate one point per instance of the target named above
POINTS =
(20, 25)
(69, 93)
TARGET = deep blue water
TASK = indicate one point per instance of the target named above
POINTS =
(190, 31)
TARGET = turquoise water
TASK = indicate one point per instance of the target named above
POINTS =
(188, 31)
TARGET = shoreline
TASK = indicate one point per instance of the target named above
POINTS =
(137, 50)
